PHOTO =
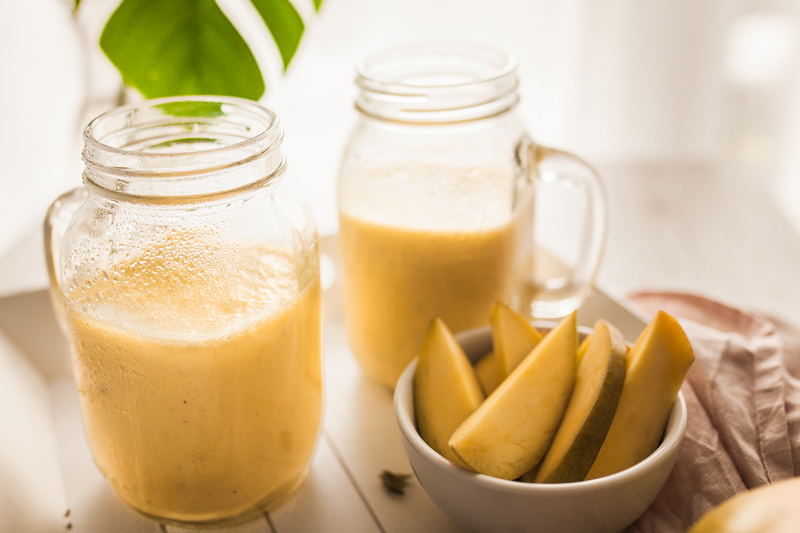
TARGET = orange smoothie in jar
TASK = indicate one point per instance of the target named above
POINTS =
(201, 397)
(397, 279)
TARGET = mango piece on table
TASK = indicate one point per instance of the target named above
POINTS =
(767, 509)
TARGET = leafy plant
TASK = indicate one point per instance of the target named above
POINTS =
(181, 47)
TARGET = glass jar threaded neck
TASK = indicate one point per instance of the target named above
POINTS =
(436, 84)
(183, 148)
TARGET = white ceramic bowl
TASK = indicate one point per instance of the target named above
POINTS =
(486, 504)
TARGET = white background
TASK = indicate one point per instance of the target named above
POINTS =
(686, 82)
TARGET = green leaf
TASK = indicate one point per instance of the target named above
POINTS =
(180, 47)
(192, 108)
(284, 24)
(317, 4)
(78, 3)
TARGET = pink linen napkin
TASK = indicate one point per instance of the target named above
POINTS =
(743, 399)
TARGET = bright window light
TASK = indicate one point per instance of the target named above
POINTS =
(760, 48)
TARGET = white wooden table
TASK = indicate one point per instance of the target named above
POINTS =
(675, 227)
(714, 230)
(46, 467)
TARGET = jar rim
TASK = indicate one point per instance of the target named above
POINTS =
(430, 53)
(94, 124)
(437, 82)
(182, 146)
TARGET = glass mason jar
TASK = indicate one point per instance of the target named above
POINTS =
(188, 281)
(436, 204)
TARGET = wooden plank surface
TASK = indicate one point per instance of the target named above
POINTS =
(343, 491)
(708, 229)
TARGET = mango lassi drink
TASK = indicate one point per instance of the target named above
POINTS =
(199, 376)
(397, 279)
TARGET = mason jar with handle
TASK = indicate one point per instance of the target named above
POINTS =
(436, 199)
(187, 278)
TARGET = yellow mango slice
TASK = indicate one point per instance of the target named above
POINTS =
(513, 337)
(657, 365)
(582, 348)
(767, 509)
(446, 390)
(513, 428)
(487, 369)
(591, 408)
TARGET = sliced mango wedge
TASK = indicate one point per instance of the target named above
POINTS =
(513, 337)
(656, 368)
(487, 369)
(446, 390)
(591, 409)
(513, 428)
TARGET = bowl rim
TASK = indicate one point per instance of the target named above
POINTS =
(404, 412)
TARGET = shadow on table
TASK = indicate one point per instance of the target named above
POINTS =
(28, 322)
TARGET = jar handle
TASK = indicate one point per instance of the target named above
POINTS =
(56, 221)
(548, 288)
